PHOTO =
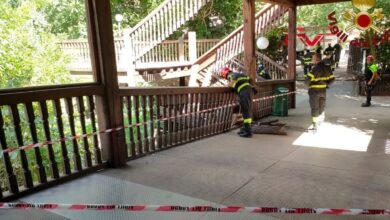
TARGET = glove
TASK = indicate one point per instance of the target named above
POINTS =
(254, 90)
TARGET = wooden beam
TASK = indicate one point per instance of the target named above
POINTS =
(108, 106)
(249, 38)
(288, 3)
(316, 2)
(292, 31)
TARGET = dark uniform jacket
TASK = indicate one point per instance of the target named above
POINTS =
(320, 77)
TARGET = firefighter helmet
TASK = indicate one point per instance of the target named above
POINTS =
(370, 58)
(224, 72)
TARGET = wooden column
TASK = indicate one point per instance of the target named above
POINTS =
(292, 31)
(108, 107)
(249, 38)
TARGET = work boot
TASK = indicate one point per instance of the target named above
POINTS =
(366, 104)
(242, 129)
(247, 131)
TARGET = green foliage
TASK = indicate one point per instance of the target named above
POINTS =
(383, 57)
(275, 43)
(29, 55)
(66, 17)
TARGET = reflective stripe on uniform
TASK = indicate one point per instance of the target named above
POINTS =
(239, 79)
(242, 86)
(373, 68)
(314, 119)
(313, 79)
(318, 86)
(247, 120)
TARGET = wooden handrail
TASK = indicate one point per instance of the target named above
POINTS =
(36, 95)
(161, 23)
(262, 26)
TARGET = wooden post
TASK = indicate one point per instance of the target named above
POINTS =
(128, 57)
(249, 38)
(100, 36)
(292, 31)
(192, 46)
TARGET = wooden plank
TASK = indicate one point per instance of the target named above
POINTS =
(87, 152)
(10, 97)
(11, 178)
(45, 121)
(28, 180)
(33, 131)
(96, 149)
(76, 153)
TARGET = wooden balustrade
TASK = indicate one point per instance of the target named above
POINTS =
(159, 118)
(36, 115)
(161, 23)
(165, 117)
(167, 51)
(232, 45)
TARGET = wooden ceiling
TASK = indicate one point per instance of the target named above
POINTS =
(302, 2)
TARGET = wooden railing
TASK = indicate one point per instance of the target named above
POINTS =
(233, 44)
(160, 118)
(44, 114)
(167, 51)
(172, 51)
(161, 23)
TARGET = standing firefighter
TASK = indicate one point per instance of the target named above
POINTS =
(318, 79)
(307, 63)
(242, 87)
(371, 74)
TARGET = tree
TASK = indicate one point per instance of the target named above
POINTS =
(28, 55)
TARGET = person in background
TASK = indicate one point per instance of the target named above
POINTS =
(337, 51)
(263, 72)
(318, 80)
(243, 88)
(307, 61)
(370, 75)
(318, 49)
(329, 51)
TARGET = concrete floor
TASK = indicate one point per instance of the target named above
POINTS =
(346, 164)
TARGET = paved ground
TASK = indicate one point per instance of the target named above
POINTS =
(346, 164)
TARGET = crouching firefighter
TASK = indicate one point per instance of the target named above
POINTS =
(242, 87)
(318, 80)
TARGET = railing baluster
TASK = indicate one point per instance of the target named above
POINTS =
(60, 126)
(96, 149)
(159, 122)
(180, 119)
(152, 102)
(12, 182)
(28, 180)
(76, 153)
(145, 124)
(131, 130)
(137, 118)
(45, 120)
(165, 122)
(87, 153)
(33, 131)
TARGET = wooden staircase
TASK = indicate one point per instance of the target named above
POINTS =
(222, 53)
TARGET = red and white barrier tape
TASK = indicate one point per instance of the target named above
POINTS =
(30, 146)
(175, 208)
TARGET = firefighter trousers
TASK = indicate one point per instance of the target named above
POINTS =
(245, 99)
(317, 98)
